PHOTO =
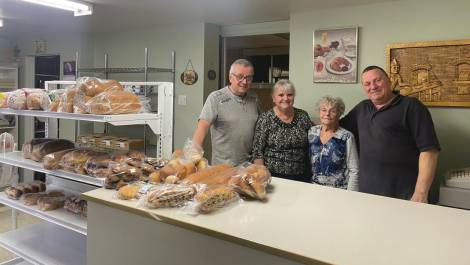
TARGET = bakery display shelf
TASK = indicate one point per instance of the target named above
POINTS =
(47, 244)
(16, 159)
(151, 119)
(16, 261)
(59, 217)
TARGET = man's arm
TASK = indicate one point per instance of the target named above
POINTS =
(427, 168)
(201, 132)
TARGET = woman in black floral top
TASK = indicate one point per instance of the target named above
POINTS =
(281, 136)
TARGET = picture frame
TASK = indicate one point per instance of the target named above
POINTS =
(69, 70)
(335, 55)
(435, 72)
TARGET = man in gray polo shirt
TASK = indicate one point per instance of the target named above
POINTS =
(231, 115)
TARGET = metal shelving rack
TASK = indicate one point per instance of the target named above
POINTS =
(66, 232)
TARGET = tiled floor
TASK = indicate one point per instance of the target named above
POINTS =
(6, 225)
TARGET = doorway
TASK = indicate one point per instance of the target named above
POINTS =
(269, 54)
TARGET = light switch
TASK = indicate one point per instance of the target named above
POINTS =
(182, 100)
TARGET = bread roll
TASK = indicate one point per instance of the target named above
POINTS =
(128, 192)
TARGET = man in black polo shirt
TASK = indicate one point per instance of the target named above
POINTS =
(398, 147)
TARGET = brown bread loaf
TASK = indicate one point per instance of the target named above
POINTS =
(51, 161)
(40, 150)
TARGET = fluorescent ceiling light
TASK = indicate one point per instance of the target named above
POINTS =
(1, 22)
(78, 8)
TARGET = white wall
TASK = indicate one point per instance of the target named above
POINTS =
(381, 24)
(126, 49)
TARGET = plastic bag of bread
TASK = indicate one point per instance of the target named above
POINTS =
(17, 100)
(53, 99)
(34, 98)
(49, 203)
(76, 205)
(51, 161)
(213, 197)
(166, 195)
(122, 174)
(92, 86)
(75, 160)
(4, 100)
(251, 180)
(210, 175)
(27, 147)
(98, 166)
(41, 150)
(66, 100)
(115, 102)
(176, 170)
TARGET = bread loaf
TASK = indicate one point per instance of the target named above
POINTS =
(98, 166)
(170, 196)
(75, 205)
(51, 161)
(27, 148)
(203, 174)
(47, 203)
(32, 198)
(34, 100)
(214, 197)
(75, 160)
(40, 150)
(114, 102)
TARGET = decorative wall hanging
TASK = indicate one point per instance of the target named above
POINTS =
(189, 76)
(211, 74)
(435, 72)
(335, 55)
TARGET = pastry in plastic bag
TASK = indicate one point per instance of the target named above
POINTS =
(4, 100)
(128, 192)
(252, 181)
(48, 203)
(17, 100)
(169, 196)
(34, 98)
(27, 147)
(214, 197)
(51, 161)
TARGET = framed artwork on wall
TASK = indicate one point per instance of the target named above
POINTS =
(335, 55)
(435, 72)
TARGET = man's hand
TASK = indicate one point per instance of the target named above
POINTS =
(419, 197)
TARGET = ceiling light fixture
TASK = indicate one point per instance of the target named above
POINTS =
(78, 8)
(1, 22)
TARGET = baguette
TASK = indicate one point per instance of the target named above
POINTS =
(203, 174)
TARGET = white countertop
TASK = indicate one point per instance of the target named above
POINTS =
(311, 223)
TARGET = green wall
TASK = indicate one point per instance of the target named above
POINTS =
(381, 24)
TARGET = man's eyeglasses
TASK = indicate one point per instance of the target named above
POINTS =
(240, 78)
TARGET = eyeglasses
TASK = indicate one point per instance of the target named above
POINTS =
(240, 78)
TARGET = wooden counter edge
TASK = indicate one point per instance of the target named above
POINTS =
(202, 230)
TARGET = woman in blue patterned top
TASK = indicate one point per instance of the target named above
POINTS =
(280, 141)
(333, 153)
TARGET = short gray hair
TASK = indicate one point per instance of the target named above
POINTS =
(284, 83)
(337, 103)
(242, 62)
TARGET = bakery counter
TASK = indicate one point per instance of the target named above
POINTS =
(300, 224)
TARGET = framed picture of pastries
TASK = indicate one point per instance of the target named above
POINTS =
(335, 55)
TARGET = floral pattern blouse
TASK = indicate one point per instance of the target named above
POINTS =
(334, 163)
(282, 146)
